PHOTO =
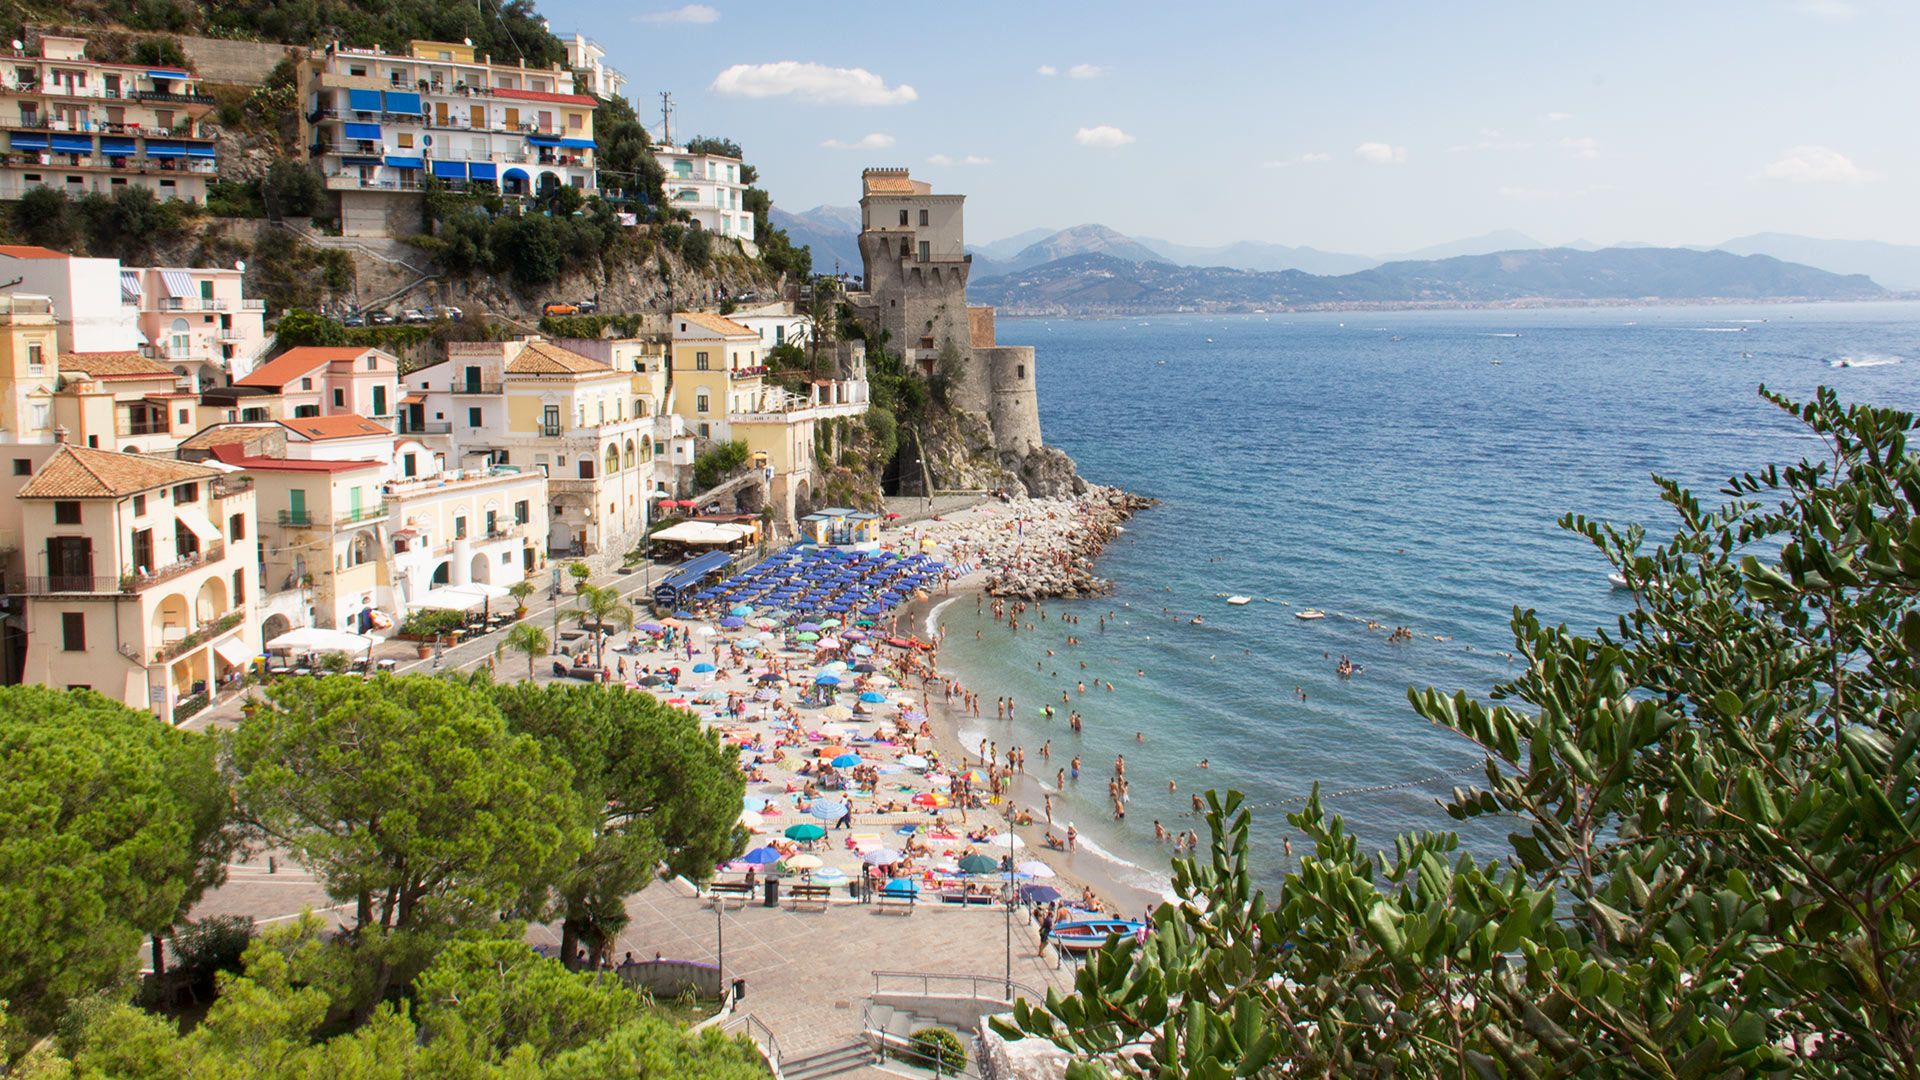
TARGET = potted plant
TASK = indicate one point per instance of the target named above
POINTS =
(580, 573)
(423, 649)
(520, 590)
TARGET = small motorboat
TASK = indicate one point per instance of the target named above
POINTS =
(1239, 601)
(1309, 615)
(1084, 935)
(1619, 581)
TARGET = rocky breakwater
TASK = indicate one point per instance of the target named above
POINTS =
(1035, 549)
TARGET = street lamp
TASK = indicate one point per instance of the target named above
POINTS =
(1006, 864)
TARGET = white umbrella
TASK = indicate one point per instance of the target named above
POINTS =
(319, 639)
(1004, 840)
(881, 857)
(913, 761)
(1035, 868)
(804, 862)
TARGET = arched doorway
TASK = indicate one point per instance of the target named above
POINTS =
(211, 603)
(273, 627)
(482, 568)
(443, 574)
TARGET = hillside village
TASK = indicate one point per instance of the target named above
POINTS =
(384, 403)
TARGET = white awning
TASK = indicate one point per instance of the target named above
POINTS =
(234, 651)
(317, 639)
(195, 519)
(703, 532)
(130, 289)
(179, 283)
(485, 591)
(450, 598)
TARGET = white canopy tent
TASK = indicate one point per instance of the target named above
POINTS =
(703, 532)
(319, 639)
(451, 598)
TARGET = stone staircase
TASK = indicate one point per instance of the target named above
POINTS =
(830, 1062)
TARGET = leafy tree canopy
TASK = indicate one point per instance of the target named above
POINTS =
(105, 816)
(1715, 833)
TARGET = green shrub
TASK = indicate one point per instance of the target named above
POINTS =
(204, 948)
(431, 623)
(718, 463)
(235, 199)
(942, 1046)
(159, 52)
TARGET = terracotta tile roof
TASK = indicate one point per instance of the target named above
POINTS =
(719, 324)
(114, 365)
(29, 251)
(235, 454)
(888, 185)
(227, 434)
(77, 472)
(339, 426)
(546, 358)
(541, 95)
(294, 363)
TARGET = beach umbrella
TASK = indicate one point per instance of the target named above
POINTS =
(881, 857)
(653, 680)
(1039, 894)
(828, 623)
(862, 650)
(902, 886)
(822, 680)
(808, 627)
(760, 856)
(732, 622)
(750, 641)
(829, 643)
(741, 610)
(1035, 868)
(872, 697)
(805, 833)
(1004, 840)
(856, 634)
(831, 875)
(979, 864)
(828, 811)
(866, 669)
(807, 635)
(683, 615)
(846, 761)
(837, 712)
(931, 799)
(649, 627)
(766, 693)
(702, 668)
(770, 677)
(803, 862)
(975, 776)
(913, 761)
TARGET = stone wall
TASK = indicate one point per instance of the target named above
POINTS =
(245, 63)
(1014, 407)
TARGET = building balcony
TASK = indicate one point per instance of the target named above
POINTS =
(476, 386)
(549, 431)
(747, 372)
(354, 182)
(165, 97)
(86, 582)
(190, 303)
(126, 428)
(362, 514)
(203, 634)
(429, 427)
(101, 163)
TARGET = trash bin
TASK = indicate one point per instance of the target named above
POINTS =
(739, 990)
(773, 893)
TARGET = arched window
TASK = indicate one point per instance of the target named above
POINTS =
(179, 342)
(631, 459)
(613, 458)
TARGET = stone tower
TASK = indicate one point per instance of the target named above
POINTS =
(913, 244)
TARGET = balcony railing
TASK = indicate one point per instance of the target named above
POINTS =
(253, 305)
(476, 386)
(168, 98)
(551, 431)
(206, 632)
(360, 514)
(429, 427)
(124, 427)
(298, 519)
(87, 582)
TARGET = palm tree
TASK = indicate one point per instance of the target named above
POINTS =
(600, 605)
(530, 639)
(520, 590)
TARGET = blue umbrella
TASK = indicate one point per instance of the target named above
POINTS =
(822, 680)
(828, 811)
(903, 886)
(649, 627)
(1039, 894)
(742, 609)
(760, 856)
(732, 622)
(873, 697)
(756, 803)
(702, 667)
(683, 615)
(807, 626)
(846, 761)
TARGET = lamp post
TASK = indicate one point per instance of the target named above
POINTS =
(720, 938)
(1006, 864)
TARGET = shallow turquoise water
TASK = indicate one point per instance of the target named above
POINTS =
(1379, 467)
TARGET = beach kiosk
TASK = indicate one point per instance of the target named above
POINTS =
(688, 577)
(840, 526)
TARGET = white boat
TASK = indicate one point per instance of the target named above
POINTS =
(1310, 614)
(1239, 601)
(1619, 581)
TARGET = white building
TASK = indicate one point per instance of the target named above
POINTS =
(91, 312)
(585, 55)
(776, 323)
(711, 189)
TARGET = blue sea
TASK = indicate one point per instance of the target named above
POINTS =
(1405, 469)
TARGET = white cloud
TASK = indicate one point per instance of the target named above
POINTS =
(1379, 153)
(1105, 135)
(976, 159)
(692, 14)
(1559, 117)
(813, 83)
(875, 141)
(1048, 69)
(1311, 157)
(1817, 165)
(1086, 71)
(949, 159)
(1584, 147)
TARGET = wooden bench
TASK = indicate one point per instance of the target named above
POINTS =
(722, 891)
(809, 894)
(894, 901)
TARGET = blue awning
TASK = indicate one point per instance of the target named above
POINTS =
(368, 132)
(398, 102)
(162, 148)
(113, 147)
(404, 162)
(516, 174)
(577, 144)
(363, 100)
(158, 74)
(22, 141)
(359, 161)
(450, 170)
(73, 144)
(543, 140)
(693, 572)
(481, 170)
(201, 151)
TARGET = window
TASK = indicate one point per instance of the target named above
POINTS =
(179, 340)
(42, 416)
(613, 459)
(406, 140)
(701, 401)
(699, 361)
(473, 417)
(66, 513)
(550, 420)
(36, 360)
(903, 217)
(493, 522)
(239, 587)
(186, 493)
(73, 631)
(408, 466)
(379, 400)
(460, 527)
(183, 418)
(237, 527)
(139, 505)
(923, 218)
(1020, 371)
(522, 512)
(306, 382)
(926, 250)
(24, 467)
(339, 398)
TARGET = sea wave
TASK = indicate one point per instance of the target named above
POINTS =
(1864, 360)
(933, 617)
(1128, 872)
(1719, 329)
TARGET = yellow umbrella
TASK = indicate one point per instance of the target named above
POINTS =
(804, 862)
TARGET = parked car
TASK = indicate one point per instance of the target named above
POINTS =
(415, 315)
(354, 318)
(379, 317)
(559, 307)
(588, 307)
(451, 312)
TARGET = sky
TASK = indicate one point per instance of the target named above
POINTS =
(1364, 127)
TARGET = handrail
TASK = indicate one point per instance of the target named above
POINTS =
(928, 978)
(903, 1048)
(759, 1034)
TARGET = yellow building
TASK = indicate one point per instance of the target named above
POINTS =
(717, 372)
(29, 368)
(535, 406)
(139, 579)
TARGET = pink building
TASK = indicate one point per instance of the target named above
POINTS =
(197, 322)
(313, 380)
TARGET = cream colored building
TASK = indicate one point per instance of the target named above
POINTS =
(535, 406)
(140, 574)
(712, 189)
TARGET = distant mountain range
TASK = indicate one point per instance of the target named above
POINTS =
(830, 231)
(1100, 284)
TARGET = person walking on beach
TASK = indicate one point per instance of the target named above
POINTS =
(1073, 838)
(1047, 804)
